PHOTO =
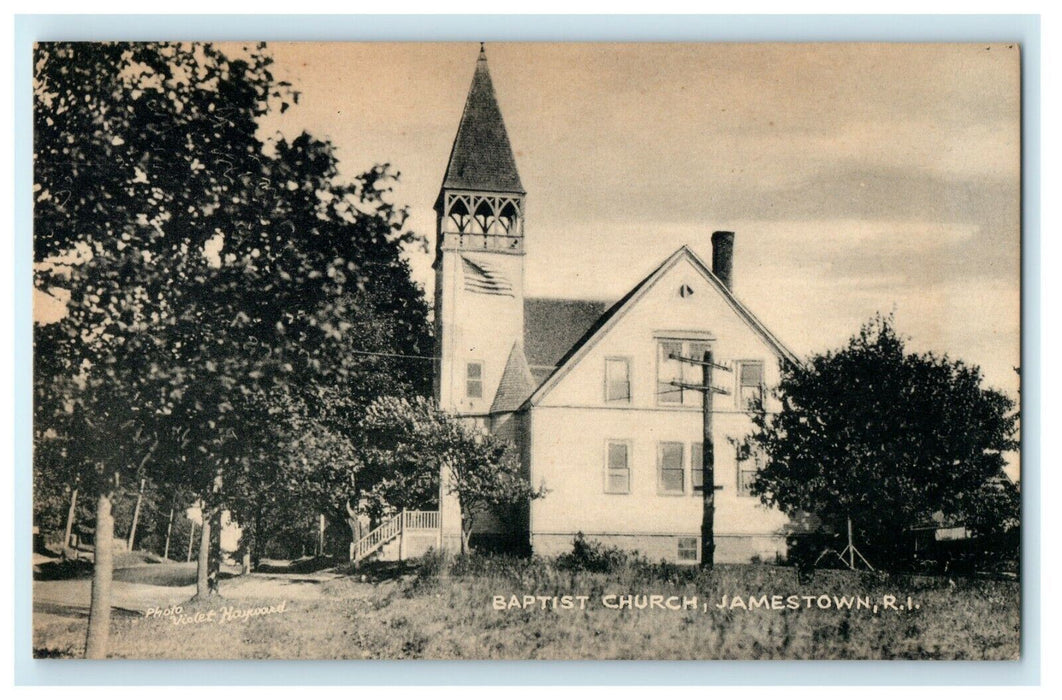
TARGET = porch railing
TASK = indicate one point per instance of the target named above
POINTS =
(394, 527)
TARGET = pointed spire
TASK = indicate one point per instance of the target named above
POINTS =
(481, 158)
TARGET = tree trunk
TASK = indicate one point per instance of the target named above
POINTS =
(466, 536)
(202, 585)
(169, 531)
(354, 523)
(214, 558)
(136, 516)
(99, 623)
(257, 542)
(320, 535)
(191, 539)
(70, 522)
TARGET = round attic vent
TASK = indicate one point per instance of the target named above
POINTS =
(685, 291)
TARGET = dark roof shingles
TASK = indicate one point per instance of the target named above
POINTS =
(481, 158)
(516, 384)
(552, 327)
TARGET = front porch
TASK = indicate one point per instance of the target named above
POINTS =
(406, 535)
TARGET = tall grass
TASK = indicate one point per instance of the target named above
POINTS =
(955, 619)
(444, 609)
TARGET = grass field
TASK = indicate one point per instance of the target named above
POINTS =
(414, 613)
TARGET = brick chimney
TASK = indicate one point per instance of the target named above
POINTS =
(723, 257)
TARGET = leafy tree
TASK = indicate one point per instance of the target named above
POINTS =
(353, 327)
(207, 272)
(886, 438)
(137, 148)
(408, 444)
(311, 471)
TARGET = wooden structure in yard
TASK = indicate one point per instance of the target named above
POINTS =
(407, 535)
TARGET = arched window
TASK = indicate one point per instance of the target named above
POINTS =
(507, 218)
(484, 216)
(459, 214)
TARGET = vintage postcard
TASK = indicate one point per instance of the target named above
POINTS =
(526, 351)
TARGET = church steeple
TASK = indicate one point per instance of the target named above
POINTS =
(479, 260)
(482, 158)
(481, 203)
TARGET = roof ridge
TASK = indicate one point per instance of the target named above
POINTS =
(600, 325)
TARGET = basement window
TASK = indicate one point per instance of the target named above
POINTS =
(689, 549)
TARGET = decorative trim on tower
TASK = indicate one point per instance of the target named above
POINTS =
(479, 264)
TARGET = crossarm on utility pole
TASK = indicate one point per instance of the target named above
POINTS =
(709, 488)
(703, 363)
(701, 387)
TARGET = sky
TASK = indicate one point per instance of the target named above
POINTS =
(858, 178)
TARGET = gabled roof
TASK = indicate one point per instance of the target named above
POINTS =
(617, 310)
(481, 157)
(516, 383)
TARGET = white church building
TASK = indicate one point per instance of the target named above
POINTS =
(586, 390)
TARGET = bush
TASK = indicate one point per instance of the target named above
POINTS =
(591, 555)
(433, 564)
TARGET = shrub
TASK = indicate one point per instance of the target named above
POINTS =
(433, 564)
(591, 555)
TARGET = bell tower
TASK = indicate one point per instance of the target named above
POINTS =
(479, 257)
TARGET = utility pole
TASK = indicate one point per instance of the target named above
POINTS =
(707, 450)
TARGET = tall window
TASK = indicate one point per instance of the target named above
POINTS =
(617, 380)
(749, 463)
(617, 467)
(697, 467)
(672, 469)
(750, 383)
(671, 371)
(474, 380)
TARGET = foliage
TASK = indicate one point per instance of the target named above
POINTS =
(204, 272)
(591, 555)
(217, 286)
(408, 445)
(138, 149)
(889, 439)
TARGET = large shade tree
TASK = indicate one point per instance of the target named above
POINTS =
(887, 439)
(127, 157)
(204, 273)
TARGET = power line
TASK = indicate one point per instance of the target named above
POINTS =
(393, 354)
